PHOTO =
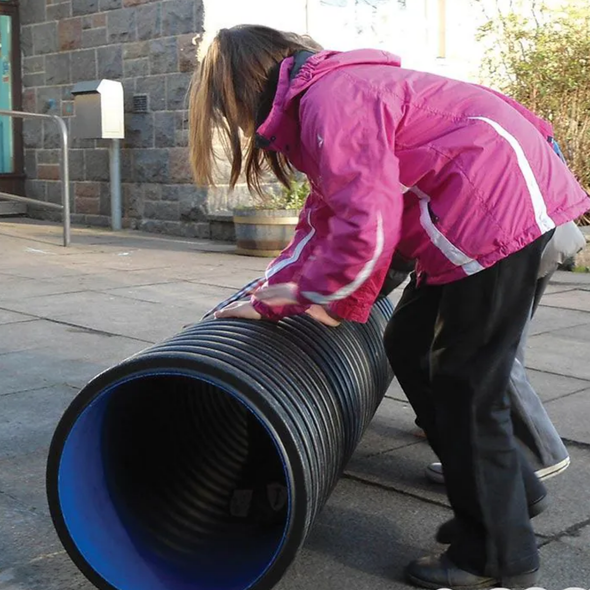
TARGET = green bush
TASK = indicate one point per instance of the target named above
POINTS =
(541, 58)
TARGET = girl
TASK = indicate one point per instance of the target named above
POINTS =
(450, 174)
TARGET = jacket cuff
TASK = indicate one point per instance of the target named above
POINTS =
(276, 313)
(351, 311)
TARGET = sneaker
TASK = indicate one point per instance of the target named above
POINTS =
(434, 472)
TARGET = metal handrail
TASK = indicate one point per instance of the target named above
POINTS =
(65, 171)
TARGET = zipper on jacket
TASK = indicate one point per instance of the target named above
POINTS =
(433, 217)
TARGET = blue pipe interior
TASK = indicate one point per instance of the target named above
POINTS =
(149, 434)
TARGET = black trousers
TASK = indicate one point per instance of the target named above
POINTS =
(452, 348)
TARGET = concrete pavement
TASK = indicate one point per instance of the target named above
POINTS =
(67, 314)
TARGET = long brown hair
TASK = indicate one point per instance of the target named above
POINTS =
(232, 90)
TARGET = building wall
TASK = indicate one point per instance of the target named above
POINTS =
(148, 46)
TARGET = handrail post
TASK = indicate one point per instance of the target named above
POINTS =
(65, 175)
(64, 166)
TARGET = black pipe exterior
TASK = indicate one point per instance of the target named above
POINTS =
(148, 466)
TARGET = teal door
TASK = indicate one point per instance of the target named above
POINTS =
(11, 141)
(6, 93)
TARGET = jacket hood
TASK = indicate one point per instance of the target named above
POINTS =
(282, 120)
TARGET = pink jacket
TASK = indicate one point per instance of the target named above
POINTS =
(450, 174)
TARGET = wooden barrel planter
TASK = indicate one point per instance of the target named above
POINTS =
(264, 232)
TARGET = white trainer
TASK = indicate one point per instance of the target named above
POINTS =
(434, 472)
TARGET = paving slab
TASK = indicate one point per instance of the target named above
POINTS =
(576, 299)
(400, 470)
(392, 428)
(25, 534)
(564, 352)
(548, 319)
(564, 567)
(23, 479)
(28, 419)
(12, 317)
(122, 316)
(571, 416)
(550, 386)
(181, 293)
(364, 539)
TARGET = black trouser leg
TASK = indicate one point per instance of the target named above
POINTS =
(479, 325)
(407, 341)
(471, 330)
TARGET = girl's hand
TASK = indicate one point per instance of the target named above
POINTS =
(318, 313)
(241, 309)
(277, 295)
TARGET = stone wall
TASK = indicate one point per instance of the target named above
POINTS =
(147, 45)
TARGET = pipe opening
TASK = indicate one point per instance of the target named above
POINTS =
(167, 482)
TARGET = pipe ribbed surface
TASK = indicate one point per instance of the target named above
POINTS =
(202, 462)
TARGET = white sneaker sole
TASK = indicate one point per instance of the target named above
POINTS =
(544, 474)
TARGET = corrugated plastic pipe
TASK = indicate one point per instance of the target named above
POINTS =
(149, 467)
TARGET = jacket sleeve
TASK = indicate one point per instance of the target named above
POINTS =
(358, 177)
(287, 267)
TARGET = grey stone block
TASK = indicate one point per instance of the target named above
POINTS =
(177, 89)
(81, 7)
(121, 25)
(193, 209)
(155, 88)
(151, 165)
(54, 192)
(94, 37)
(57, 69)
(33, 134)
(110, 62)
(161, 210)
(163, 56)
(183, 192)
(34, 80)
(45, 38)
(78, 164)
(110, 4)
(31, 163)
(26, 40)
(164, 129)
(48, 156)
(149, 21)
(36, 189)
(49, 101)
(32, 11)
(97, 165)
(140, 131)
(178, 17)
(152, 192)
(136, 50)
(59, 11)
(84, 65)
(127, 166)
(136, 67)
(133, 200)
(51, 134)
(129, 91)
(34, 65)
